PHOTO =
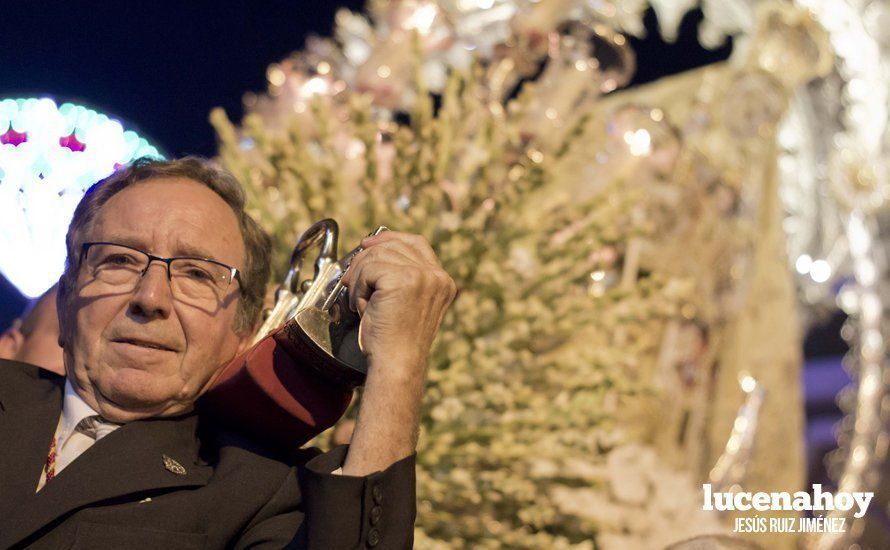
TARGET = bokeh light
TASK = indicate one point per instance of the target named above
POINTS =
(49, 156)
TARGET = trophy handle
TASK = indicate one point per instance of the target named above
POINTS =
(321, 234)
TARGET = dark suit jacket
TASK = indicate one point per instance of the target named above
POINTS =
(120, 494)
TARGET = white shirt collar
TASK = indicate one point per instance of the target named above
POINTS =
(74, 409)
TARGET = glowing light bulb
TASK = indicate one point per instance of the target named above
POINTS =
(639, 142)
(54, 155)
(803, 264)
(422, 18)
(314, 86)
(820, 271)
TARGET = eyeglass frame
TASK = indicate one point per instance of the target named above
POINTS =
(235, 272)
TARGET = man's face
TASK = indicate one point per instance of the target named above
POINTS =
(142, 352)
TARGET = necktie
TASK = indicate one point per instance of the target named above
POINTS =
(50, 468)
(95, 427)
(88, 431)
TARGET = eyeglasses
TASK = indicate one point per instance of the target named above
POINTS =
(192, 280)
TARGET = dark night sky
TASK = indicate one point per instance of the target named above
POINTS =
(162, 65)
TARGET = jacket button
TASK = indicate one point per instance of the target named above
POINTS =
(377, 493)
(375, 515)
(373, 538)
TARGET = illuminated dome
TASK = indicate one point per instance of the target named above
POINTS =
(49, 156)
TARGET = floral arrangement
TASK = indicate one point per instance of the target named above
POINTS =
(600, 244)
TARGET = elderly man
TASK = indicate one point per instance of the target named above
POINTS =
(163, 286)
(33, 338)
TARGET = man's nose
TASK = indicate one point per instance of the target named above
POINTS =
(152, 297)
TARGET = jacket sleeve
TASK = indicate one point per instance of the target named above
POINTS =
(315, 509)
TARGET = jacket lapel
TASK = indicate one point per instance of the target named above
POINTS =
(148, 455)
(26, 432)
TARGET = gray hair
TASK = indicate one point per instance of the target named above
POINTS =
(257, 244)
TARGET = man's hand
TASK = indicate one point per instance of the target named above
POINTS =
(401, 291)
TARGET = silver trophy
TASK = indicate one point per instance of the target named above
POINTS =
(318, 325)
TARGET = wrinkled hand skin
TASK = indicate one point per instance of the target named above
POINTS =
(399, 288)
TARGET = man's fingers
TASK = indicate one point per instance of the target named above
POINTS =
(357, 284)
(363, 281)
(390, 252)
(417, 243)
(405, 260)
(394, 252)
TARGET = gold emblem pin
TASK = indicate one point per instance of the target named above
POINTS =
(173, 466)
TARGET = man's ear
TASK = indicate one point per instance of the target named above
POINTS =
(11, 341)
(244, 343)
(245, 340)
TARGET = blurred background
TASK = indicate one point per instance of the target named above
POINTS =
(161, 67)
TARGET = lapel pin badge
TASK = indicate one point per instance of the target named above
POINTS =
(173, 466)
